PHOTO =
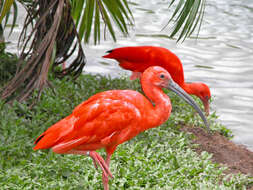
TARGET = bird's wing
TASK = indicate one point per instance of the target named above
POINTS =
(104, 117)
(139, 58)
(93, 121)
(131, 58)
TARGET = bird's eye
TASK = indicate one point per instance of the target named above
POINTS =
(162, 76)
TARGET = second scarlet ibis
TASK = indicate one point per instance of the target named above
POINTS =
(110, 118)
(139, 58)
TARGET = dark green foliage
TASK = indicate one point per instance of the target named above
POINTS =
(8, 65)
(156, 159)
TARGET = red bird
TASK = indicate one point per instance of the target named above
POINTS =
(139, 58)
(110, 118)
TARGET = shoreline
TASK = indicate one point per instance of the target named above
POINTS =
(236, 157)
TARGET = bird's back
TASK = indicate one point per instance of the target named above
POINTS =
(140, 58)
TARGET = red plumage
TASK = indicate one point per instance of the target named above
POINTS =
(106, 120)
(139, 58)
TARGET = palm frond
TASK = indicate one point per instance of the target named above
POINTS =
(187, 15)
(5, 8)
(5, 13)
(88, 15)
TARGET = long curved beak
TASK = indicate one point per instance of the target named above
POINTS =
(179, 91)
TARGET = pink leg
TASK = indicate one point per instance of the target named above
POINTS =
(64, 67)
(97, 159)
(104, 177)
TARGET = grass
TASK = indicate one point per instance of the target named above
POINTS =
(159, 158)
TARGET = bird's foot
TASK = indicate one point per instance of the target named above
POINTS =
(97, 159)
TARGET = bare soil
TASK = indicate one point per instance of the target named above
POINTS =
(237, 158)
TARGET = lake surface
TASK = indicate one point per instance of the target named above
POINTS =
(222, 57)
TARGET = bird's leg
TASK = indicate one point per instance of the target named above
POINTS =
(97, 159)
(64, 67)
(104, 177)
(100, 161)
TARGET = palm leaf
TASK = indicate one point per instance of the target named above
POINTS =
(107, 20)
(97, 26)
(88, 13)
(187, 15)
(77, 8)
(5, 8)
(5, 13)
(15, 16)
(199, 19)
(86, 23)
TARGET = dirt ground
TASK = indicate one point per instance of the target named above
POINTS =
(236, 157)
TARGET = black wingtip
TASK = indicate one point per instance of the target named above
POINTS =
(110, 51)
(38, 139)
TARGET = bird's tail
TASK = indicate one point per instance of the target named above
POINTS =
(131, 54)
(110, 54)
(53, 134)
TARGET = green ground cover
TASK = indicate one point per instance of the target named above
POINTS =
(159, 158)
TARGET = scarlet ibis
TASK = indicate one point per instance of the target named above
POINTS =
(139, 58)
(110, 118)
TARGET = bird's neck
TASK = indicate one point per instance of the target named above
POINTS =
(162, 105)
(189, 88)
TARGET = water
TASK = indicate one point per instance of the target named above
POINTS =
(221, 58)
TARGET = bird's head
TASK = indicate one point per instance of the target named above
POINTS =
(160, 78)
(157, 76)
(203, 92)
